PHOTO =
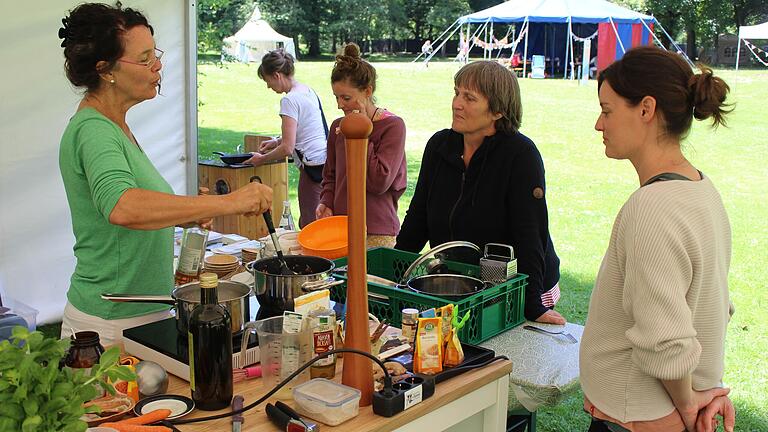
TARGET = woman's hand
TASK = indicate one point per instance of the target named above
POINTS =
(269, 145)
(707, 420)
(323, 211)
(700, 400)
(551, 317)
(251, 199)
(256, 159)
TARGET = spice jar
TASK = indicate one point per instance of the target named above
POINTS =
(410, 322)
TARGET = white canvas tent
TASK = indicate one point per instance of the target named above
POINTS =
(255, 39)
(36, 258)
(759, 31)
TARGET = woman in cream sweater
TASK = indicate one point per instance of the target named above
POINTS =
(653, 347)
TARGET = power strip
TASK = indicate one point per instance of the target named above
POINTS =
(403, 395)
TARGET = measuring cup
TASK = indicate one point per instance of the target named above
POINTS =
(282, 354)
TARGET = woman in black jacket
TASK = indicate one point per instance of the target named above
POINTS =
(482, 181)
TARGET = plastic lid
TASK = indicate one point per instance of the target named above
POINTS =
(326, 392)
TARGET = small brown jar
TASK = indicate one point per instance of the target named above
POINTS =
(85, 351)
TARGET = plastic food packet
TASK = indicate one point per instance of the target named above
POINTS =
(446, 317)
(454, 353)
(428, 356)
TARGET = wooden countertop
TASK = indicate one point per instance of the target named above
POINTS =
(366, 420)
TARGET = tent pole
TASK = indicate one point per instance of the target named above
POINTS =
(652, 33)
(567, 53)
(428, 58)
(434, 51)
(677, 47)
(466, 41)
(738, 51)
(618, 38)
(525, 56)
(572, 54)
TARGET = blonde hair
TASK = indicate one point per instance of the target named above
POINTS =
(499, 85)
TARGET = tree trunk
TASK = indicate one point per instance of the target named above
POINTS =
(335, 37)
(690, 34)
(314, 43)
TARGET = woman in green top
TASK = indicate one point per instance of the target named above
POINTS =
(123, 211)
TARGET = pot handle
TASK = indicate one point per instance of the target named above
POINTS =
(127, 298)
(310, 286)
(437, 249)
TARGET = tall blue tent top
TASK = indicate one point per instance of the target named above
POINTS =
(557, 11)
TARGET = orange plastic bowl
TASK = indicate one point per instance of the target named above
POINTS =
(325, 237)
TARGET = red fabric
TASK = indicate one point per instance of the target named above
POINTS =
(606, 46)
(637, 35)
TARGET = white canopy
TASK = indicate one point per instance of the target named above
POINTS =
(255, 39)
(36, 258)
(759, 31)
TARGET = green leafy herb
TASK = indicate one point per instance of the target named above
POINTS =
(37, 395)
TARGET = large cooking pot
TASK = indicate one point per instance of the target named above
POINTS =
(275, 291)
(233, 296)
(448, 286)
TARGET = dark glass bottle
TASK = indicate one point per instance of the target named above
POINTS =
(84, 354)
(210, 349)
(85, 351)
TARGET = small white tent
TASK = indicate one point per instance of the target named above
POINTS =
(255, 39)
(759, 31)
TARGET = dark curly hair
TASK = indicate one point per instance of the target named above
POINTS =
(93, 32)
(681, 95)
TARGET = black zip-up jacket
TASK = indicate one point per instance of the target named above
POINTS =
(498, 198)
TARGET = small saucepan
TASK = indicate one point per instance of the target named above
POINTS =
(448, 286)
(233, 296)
(233, 158)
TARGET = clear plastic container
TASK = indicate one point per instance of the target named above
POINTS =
(18, 313)
(326, 401)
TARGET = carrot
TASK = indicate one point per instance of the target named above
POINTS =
(148, 418)
(125, 427)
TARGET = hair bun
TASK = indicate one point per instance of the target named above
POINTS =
(707, 95)
(352, 50)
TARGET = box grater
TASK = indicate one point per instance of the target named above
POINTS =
(496, 268)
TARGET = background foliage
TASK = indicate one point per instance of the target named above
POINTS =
(321, 26)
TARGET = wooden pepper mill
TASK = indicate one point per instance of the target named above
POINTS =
(357, 371)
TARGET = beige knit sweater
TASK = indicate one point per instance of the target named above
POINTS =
(660, 306)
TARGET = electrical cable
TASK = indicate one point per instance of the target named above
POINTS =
(281, 384)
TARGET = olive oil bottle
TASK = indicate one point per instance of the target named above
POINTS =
(210, 349)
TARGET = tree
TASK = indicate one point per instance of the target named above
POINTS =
(217, 19)
(444, 13)
(417, 11)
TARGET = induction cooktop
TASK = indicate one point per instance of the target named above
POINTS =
(162, 343)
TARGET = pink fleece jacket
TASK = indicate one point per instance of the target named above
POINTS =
(386, 174)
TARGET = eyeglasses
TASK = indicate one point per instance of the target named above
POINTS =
(149, 63)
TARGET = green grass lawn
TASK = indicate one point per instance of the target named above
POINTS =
(585, 189)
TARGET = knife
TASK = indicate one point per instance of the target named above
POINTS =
(237, 419)
(289, 420)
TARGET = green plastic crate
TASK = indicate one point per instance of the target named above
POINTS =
(493, 310)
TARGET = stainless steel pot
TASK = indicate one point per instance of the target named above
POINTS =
(276, 291)
(233, 296)
(448, 286)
